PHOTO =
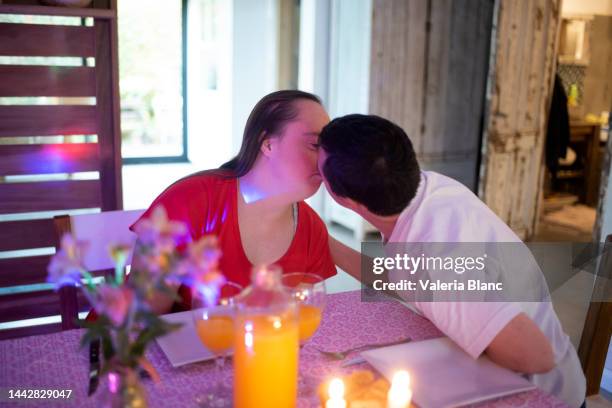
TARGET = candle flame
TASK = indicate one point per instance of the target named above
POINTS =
(401, 379)
(336, 389)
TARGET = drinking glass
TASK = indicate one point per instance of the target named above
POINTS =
(214, 323)
(308, 290)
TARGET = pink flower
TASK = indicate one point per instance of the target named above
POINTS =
(201, 261)
(114, 302)
(160, 232)
(66, 266)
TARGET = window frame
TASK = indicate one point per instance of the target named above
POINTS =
(183, 158)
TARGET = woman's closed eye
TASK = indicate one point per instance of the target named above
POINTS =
(314, 146)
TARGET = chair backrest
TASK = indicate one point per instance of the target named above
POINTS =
(102, 229)
(597, 330)
(99, 230)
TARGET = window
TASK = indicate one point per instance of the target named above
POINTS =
(152, 80)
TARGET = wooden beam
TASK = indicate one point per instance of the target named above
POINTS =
(47, 120)
(49, 158)
(32, 80)
(27, 234)
(57, 11)
(49, 196)
(39, 40)
(109, 131)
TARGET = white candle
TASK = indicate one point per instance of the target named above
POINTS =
(400, 394)
(336, 394)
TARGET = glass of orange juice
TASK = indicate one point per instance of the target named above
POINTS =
(213, 318)
(308, 290)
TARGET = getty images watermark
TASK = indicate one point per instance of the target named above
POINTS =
(483, 272)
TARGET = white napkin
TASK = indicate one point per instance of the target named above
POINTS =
(183, 346)
(443, 375)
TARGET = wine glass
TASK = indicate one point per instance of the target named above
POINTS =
(308, 290)
(213, 318)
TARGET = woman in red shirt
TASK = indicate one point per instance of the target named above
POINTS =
(254, 203)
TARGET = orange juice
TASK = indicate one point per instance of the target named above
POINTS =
(266, 361)
(216, 332)
(309, 319)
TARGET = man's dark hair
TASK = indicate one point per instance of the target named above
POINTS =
(371, 161)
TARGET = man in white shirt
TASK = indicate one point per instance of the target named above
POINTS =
(368, 165)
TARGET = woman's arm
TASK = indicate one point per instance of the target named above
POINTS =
(346, 258)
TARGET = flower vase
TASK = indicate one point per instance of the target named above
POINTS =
(123, 390)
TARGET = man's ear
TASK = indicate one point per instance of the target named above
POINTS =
(353, 205)
(347, 202)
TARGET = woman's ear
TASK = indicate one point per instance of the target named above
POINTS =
(266, 147)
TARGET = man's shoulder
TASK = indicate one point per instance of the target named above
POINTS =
(451, 211)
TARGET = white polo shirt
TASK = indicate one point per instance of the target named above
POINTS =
(444, 210)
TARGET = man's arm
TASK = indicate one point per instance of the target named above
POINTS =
(346, 258)
(521, 346)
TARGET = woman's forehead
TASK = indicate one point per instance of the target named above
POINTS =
(312, 114)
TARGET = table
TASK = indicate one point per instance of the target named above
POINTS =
(55, 361)
(588, 134)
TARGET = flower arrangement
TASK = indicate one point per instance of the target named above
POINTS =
(125, 322)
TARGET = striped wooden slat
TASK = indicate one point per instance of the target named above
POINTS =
(15, 235)
(38, 40)
(47, 120)
(49, 196)
(49, 158)
(32, 80)
(23, 271)
(30, 331)
(33, 7)
(30, 305)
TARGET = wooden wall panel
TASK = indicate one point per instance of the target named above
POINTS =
(49, 158)
(414, 77)
(437, 84)
(522, 82)
(32, 80)
(47, 120)
(49, 196)
(397, 72)
(25, 40)
(102, 119)
(27, 234)
(428, 75)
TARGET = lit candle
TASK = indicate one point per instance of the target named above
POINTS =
(336, 394)
(400, 394)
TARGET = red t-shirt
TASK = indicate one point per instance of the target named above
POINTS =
(207, 204)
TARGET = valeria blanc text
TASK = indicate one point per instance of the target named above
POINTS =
(438, 285)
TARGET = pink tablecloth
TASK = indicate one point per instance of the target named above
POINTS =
(55, 360)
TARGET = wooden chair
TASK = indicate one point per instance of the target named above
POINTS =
(595, 338)
(99, 230)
